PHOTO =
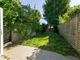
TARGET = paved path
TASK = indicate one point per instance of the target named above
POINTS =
(31, 53)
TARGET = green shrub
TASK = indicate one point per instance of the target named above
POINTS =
(72, 12)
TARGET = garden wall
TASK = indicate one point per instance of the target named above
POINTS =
(6, 34)
(15, 36)
(71, 32)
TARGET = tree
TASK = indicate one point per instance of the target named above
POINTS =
(44, 28)
(30, 18)
(36, 16)
(53, 9)
(18, 17)
(10, 8)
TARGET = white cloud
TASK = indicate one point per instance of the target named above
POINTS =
(74, 2)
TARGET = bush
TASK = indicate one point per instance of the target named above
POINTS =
(72, 12)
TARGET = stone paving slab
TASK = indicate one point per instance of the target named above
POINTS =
(30, 53)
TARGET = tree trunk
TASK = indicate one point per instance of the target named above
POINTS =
(56, 29)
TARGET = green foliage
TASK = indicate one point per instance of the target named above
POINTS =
(72, 12)
(64, 18)
(54, 42)
(39, 40)
(10, 8)
(18, 17)
(44, 28)
(53, 9)
(30, 19)
(33, 18)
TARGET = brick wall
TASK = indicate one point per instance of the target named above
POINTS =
(71, 31)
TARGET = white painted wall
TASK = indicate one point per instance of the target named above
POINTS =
(1, 31)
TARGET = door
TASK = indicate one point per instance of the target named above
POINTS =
(1, 31)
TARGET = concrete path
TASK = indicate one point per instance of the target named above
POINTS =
(31, 53)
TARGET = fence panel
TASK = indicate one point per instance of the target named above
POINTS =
(71, 31)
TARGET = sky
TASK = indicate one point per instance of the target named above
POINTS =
(74, 2)
(39, 3)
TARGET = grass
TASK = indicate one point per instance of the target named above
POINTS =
(51, 42)
(39, 40)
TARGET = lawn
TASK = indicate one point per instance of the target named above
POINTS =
(51, 42)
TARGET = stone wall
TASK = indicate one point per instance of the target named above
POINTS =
(6, 35)
(15, 36)
(71, 31)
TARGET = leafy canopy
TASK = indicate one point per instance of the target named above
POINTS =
(18, 17)
(53, 9)
(72, 12)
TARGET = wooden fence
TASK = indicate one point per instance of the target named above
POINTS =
(71, 31)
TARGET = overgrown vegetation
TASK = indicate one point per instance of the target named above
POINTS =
(53, 9)
(72, 12)
(20, 18)
(54, 43)
(25, 20)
